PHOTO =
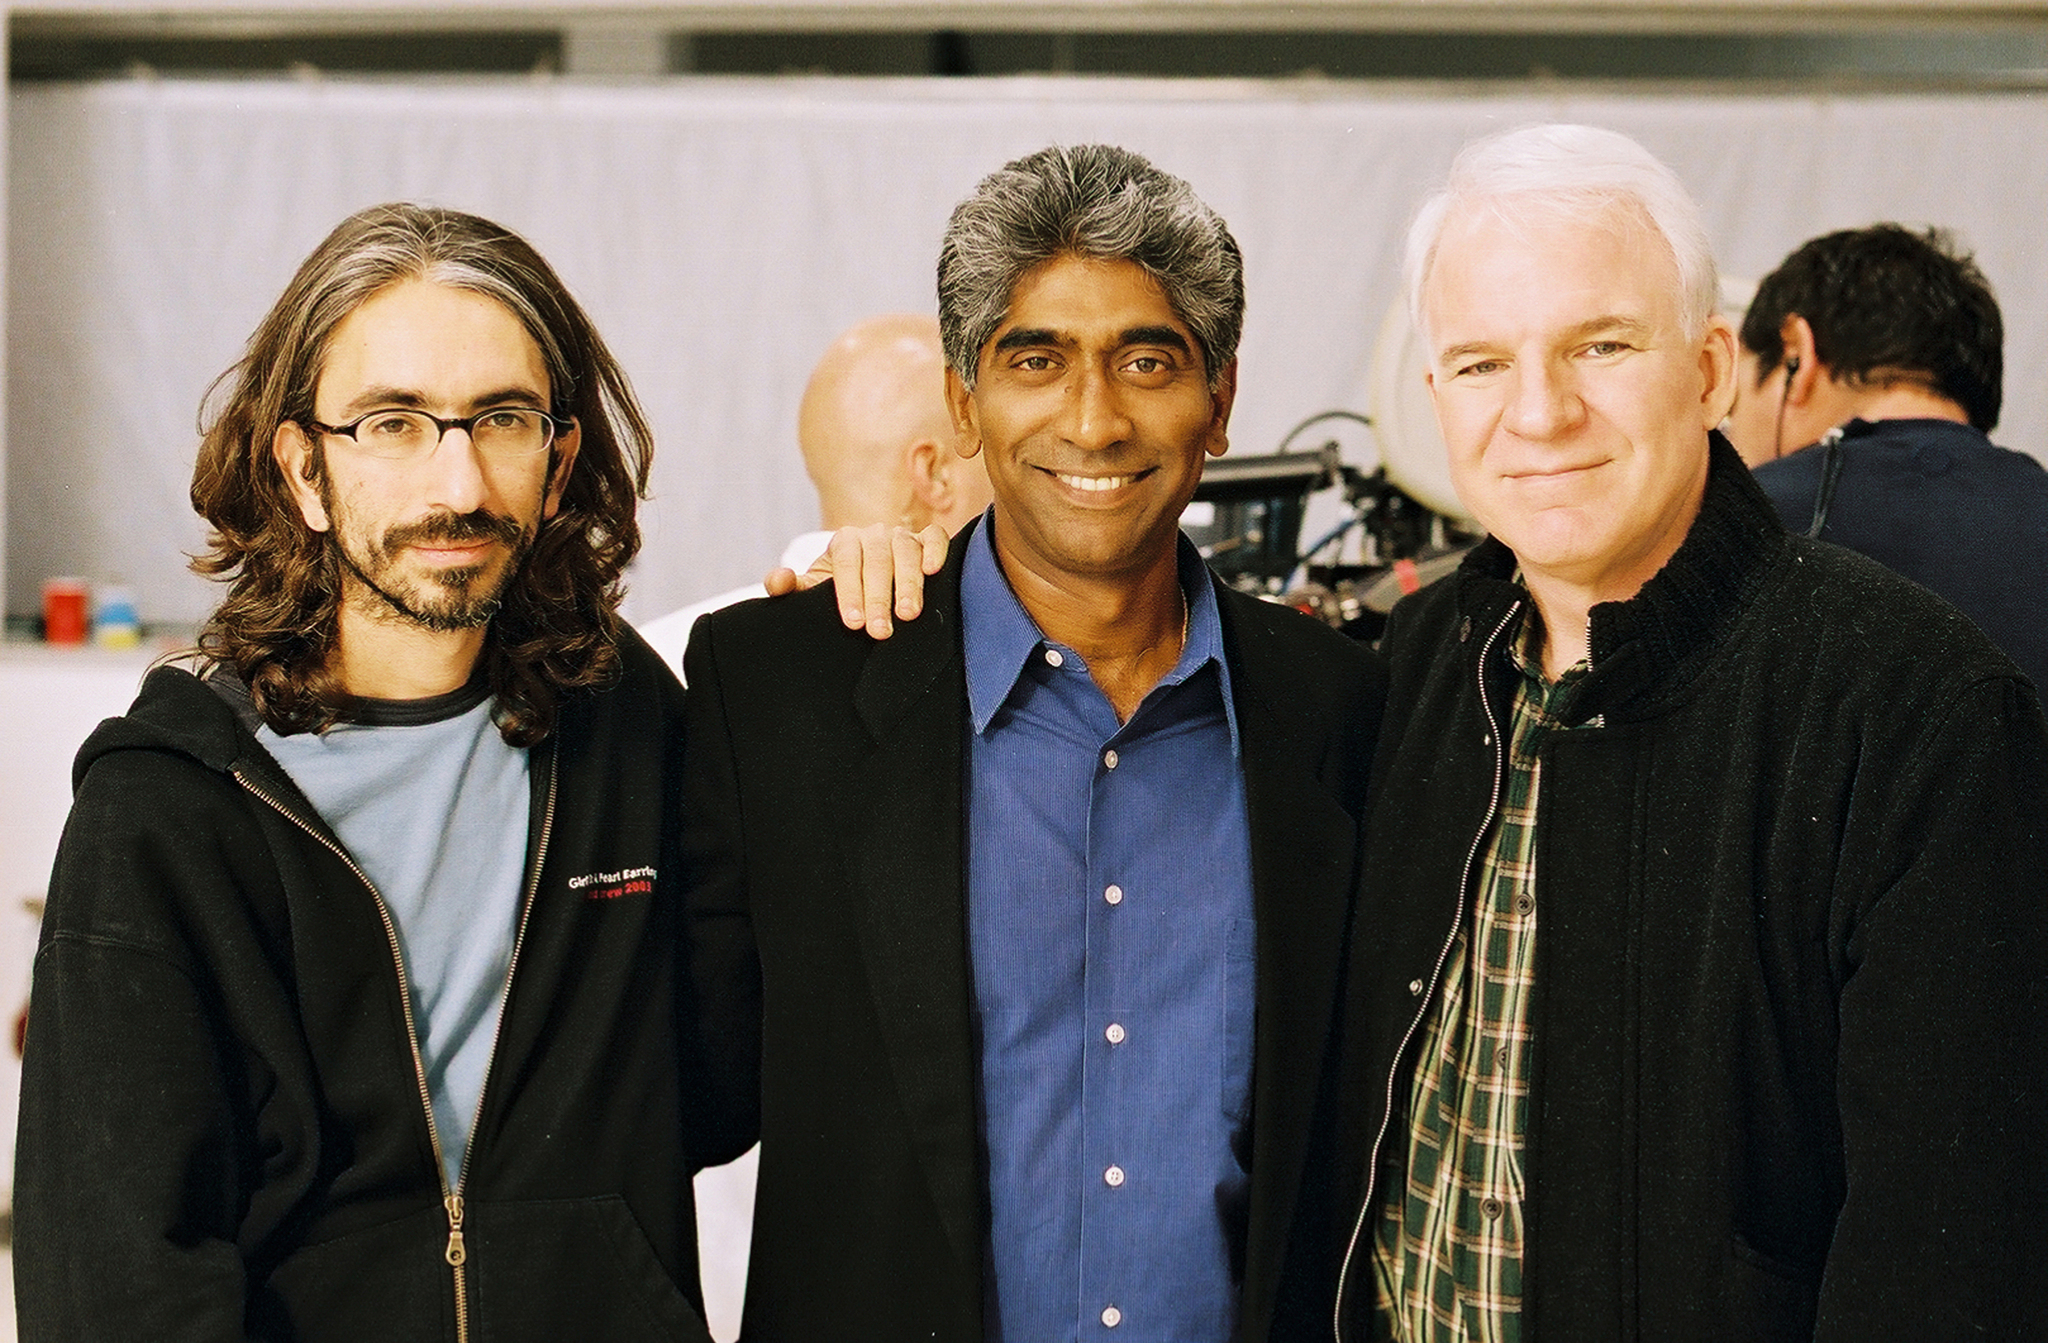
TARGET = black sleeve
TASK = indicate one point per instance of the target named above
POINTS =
(133, 1161)
(724, 973)
(1944, 1041)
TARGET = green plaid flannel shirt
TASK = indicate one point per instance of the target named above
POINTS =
(1447, 1260)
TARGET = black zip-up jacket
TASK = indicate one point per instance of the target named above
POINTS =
(1790, 1016)
(224, 1131)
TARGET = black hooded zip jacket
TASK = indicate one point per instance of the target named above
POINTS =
(224, 1132)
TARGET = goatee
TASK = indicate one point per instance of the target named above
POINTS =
(449, 599)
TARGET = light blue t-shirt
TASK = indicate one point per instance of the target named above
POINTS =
(432, 804)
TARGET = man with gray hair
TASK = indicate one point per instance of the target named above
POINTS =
(1698, 989)
(1046, 1009)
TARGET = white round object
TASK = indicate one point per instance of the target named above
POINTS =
(1397, 398)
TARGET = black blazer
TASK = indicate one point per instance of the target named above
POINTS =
(825, 833)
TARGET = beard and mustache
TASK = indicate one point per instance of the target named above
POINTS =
(443, 599)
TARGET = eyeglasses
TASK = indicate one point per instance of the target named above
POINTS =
(408, 435)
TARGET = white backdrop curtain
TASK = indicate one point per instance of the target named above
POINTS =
(722, 231)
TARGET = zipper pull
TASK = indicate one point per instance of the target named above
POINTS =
(456, 1253)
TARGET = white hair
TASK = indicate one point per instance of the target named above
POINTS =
(1574, 170)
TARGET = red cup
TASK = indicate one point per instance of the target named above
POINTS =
(65, 602)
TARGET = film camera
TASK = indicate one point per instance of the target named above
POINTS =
(1247, 519)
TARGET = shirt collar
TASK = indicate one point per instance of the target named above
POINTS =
(1535, 692)
(1000, 637)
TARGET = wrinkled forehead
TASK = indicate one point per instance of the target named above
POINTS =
(1515, 262)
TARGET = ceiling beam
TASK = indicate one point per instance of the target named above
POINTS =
(264, 18)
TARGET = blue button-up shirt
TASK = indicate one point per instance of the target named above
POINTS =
(1110, 931)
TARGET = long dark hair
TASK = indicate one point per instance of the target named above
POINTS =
(557, 628)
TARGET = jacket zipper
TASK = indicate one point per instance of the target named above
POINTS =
(456, 1252)
(457, 1255)
(1372, 1169)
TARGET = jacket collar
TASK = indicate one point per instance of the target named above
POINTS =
(180, 710)
(907, 827)
(1303, 845)
(1933, 443)
(1648, 649)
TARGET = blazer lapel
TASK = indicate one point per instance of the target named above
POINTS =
(911, 875)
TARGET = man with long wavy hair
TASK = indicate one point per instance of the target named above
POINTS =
(355, 1011)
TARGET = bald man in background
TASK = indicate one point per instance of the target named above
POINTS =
(875, 434)
(878, 446)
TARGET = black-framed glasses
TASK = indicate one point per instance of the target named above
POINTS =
(407, 435)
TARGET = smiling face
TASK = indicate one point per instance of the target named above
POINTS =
(1574, 404)
(432, 541)
(1092, 412)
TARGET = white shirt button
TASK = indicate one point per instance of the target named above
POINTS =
(1113, 1177)
(1109, 759)
(1115, 1033)
(1111, 1317)
(1053, 658)
(1113, 894)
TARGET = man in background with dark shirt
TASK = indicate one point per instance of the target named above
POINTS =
(1869, 376)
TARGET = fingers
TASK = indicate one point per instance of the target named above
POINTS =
(913, 557)
(782, 582)
(876, 570)
(842, 561)
(878, 551)
(859, 562)
(935, 541)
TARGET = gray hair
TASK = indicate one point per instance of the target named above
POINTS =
(1096, 201)
(1571, 169)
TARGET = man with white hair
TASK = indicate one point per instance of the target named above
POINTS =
(1697, 987)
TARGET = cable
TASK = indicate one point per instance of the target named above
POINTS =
(1321, 415)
